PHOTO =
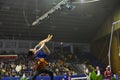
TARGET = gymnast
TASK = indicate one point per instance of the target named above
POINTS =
(41, 51)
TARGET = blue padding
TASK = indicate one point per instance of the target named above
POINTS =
(38, 78)
(42, 77)
(48, 78)
(10, 78)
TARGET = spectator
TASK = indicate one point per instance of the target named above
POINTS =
(97, 71)
(107, 73)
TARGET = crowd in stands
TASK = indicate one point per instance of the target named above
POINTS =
(57, 65)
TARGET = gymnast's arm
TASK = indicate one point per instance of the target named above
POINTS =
(38, 47)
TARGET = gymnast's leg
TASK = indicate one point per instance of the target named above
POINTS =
(35, 74)
(50, 73)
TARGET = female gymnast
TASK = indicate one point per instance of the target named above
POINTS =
(41, 51)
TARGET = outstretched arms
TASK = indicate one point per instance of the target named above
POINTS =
(41, 45)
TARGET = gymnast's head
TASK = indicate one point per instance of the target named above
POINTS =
(31, 52)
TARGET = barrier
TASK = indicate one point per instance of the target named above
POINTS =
(38, 78)
(8, 57)
(76, 77)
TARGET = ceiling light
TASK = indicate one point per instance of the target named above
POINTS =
(84, 1)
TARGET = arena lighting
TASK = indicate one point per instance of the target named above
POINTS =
(85, 1)
(110, 43)
(58, 6)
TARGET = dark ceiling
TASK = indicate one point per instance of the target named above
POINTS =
(67, 25)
